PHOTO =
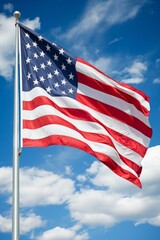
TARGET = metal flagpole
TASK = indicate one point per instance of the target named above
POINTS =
(15, 198)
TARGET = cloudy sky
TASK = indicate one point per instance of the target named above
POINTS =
(66, 194)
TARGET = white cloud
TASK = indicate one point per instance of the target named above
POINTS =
(30, 222)
(68, 170)
(116, 199)
(5, 180)
(38, 187)
(137, 68)
(32, 24)
(135, 73)
(105, 64)
(7, 43)
(98, 16)
(7, 46)
(104, 14)
(91, 206)
(59, 233)
(5, 224)
(27, 223)
(81, 178)
(156, 81)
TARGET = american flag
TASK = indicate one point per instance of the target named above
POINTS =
(67, 101)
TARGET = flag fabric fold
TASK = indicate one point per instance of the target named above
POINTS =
(67, 101)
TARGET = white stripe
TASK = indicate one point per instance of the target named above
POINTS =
(114, 124)
(113, 101)
(93, 73)
(90, 127)
(64, 131)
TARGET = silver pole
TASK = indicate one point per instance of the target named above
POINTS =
(15, 201)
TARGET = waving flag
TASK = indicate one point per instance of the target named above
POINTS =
(67, 101)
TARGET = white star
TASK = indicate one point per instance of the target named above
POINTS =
(35, 82)
(69, 61)
(63, 92)
(63, 81)
(28, 60)
(55, 57)
(40, 38)
(48, 47)
(42, 79)
(71, 90)
(28, 46)
(27, 35)
(35, 68)
(43, 66)
(49, 75)
(56, 85)
(48, 89)
(42, 54)
(61, 51)
(56, 72)
(34, 44)
(35, 55)
(71, 76)
(49, 63)
(29, 76)
(63, 67)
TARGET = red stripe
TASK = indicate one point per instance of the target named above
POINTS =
(53, 119)
(115, 113)
(86, 116)
(128, 142)
(117, 83)
(100, 138)
(69, 141)
(131, 164)
(105, 88)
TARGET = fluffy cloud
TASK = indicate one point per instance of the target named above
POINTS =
(117, 200)
(106, 64)
(27, 223)
(37, 187)
(98, 16)
(94, 16)
(134, 73)
(7, 43)
(156, 81)
(5, 180)
(59, 233)
(104, 200)
(44, 188)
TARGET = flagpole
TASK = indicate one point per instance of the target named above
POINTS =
(15, 186)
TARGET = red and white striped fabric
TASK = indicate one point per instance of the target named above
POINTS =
(107, 119)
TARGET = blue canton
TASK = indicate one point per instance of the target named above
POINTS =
(46, 65)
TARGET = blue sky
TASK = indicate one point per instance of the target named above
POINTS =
(66, 194)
